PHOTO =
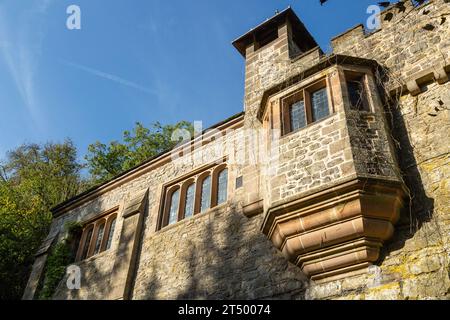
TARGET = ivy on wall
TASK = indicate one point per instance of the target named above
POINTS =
(62, 254)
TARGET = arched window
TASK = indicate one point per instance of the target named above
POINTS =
(98, 241)
(87, 242)
(205, 196)
(222, 185)
(97, 235)
(173, 209)
(194, 194)
(112, 226)
(190, 201)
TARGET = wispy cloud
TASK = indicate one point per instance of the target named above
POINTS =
(20, 49)
(109, 76)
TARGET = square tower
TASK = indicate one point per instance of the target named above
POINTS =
(268, 50)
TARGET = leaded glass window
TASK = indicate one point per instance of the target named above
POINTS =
(111, 233)
(222, 185)
(87, 242)
(189, 203)
(173, 211)
(98, 242)
(206, 194)
(297, 115)
(357, 95)
(319, 104)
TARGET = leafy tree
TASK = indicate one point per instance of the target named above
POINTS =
(107, 161)
(33, 179)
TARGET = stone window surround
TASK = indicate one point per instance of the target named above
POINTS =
(274, 117)
(107, 218)
(369, 81)
(357, 77)
(304, 94)
(182, 184)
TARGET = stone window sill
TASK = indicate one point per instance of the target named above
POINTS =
(308, 127)
(195, 217)
(94, 257)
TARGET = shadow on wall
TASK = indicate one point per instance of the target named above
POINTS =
(94, 283)
(97, 282)
(232, 260)
(418, 208)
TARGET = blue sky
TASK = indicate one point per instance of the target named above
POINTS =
(133, 60)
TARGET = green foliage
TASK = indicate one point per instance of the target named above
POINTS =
(107, 161)
(32, 180)
(73, 227)
(55, 269)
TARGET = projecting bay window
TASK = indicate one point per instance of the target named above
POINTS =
(305, 106)
(194, 195)
(97, 235)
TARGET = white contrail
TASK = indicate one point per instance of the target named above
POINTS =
(20, 50)
(109, 76)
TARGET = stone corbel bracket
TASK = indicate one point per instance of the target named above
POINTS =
(415, 83)
(337, 230)
(254, 208)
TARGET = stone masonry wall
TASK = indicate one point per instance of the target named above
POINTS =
(223, 254)
(415, 263)
(218, 254)
(371, 144)
(402, 45)
(312, 158)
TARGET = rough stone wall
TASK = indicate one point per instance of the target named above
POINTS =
(218, 254)
(222, 254)
(415, 263)
(402, 45)
(371, 144)
(269, 66)
(312, 158)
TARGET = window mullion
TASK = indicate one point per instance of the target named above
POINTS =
(330, 96)
(92, 241)
(108, 221)
(307, 106)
